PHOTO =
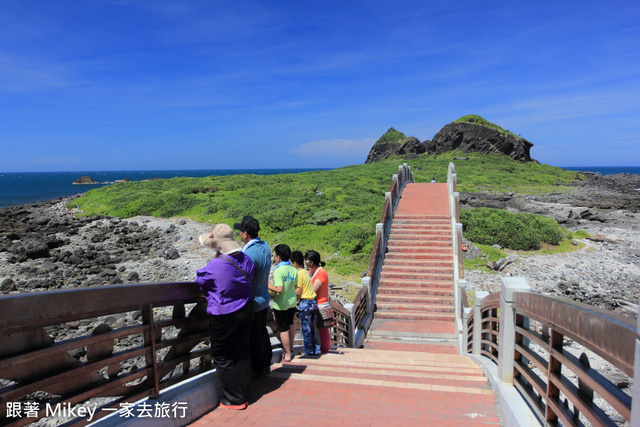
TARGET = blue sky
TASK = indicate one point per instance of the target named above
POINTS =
(126, 85)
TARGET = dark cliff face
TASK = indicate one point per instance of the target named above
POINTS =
(394, 143)
(469, 137)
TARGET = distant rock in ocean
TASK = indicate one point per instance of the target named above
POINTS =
(468, 134)
(85, 180)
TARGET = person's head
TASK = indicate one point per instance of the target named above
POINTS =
(297, 259)
(248, 227)
(313, 260)
(220, 239)
(283, 252)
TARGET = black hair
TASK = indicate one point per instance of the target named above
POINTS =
(297, 257)
(251, 226)
(314, 257)
(283, 251)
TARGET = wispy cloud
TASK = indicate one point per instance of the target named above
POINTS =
(335, 148)
(47, 161)
(19, 74)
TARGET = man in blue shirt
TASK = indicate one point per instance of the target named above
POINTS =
(260, 253)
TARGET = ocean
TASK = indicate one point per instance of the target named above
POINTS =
(605, 170)
(20, 188)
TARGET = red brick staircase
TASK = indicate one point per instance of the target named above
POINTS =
(409, 372)
(415, 305)
(416, 280)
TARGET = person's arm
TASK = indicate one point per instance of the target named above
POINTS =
(317, 284)
(277, 286)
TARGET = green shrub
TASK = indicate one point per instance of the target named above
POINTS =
(331, 211)
(521, 231)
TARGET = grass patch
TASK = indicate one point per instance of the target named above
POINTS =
(333, 212)
(478, 120)
(489, 253)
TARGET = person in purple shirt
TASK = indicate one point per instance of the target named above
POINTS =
(226, 283)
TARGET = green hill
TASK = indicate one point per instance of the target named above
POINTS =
(334, 211)
(478, 120)
(391, 136)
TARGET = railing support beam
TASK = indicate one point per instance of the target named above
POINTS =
(477, 321)
(507, 336)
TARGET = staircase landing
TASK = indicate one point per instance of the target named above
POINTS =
(368, 387)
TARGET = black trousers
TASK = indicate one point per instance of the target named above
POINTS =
(260, 344)
(230, 351)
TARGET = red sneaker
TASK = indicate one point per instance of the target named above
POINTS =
(226, 404)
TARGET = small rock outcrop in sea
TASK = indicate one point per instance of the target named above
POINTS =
(84, 180)
(394, 143)
(474, 134)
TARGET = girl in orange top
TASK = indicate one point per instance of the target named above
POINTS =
(320, 284)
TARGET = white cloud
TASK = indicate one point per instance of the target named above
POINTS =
(335, 148)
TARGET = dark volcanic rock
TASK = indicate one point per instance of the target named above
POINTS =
(84, 180)
(35, 247)
(394, 143)
(470, 137)
(47, 247)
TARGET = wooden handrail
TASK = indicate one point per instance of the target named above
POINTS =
(545, 372)
(165, 339)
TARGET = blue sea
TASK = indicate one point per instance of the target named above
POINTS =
(605, 170)
(20, 188)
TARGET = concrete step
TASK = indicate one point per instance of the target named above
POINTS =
(422, 242)
(441, 249)
(432, 219)
(416, 275)
(424, 269)
(427, 291)
(414, 307)
(413, 283)
(410, 263)
(415, 299)
(417, 235)
(443, 255)
(413, 316)
(418, 227)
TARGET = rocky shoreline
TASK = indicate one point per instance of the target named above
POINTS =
(44, 246)
(606, 271)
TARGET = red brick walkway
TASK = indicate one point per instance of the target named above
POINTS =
(360, 387)
(415, 294)
(408, 373)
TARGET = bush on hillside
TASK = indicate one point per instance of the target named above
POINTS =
(520, 231)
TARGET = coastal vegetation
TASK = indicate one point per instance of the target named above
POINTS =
(390, 137)
(478, 120)
(333, 211)
(520, 231)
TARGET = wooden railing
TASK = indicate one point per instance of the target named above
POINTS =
(104, 346)
(545, 347)
(143, 339)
